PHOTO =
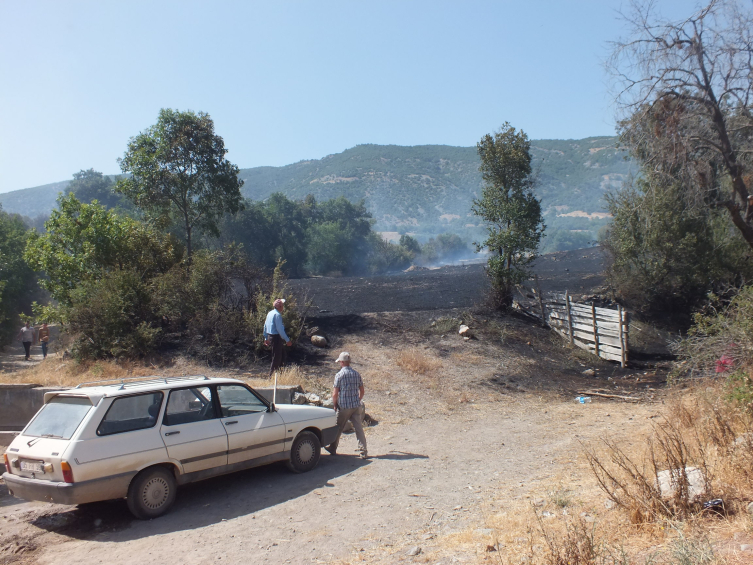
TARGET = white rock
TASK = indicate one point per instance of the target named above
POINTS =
(328, 403)
(313, 398)
(668, 483)
(319, 340)
(465, 331)
(414, 551)
(299, 398)
(750, 508)
(589, 373)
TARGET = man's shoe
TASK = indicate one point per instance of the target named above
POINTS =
(364, 455)
(331, 451)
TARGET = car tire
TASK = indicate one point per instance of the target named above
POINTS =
(151, 493)
(304, 455)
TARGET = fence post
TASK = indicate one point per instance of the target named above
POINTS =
(569, 316)
(596, 331)
(541, 303)
(623, 344)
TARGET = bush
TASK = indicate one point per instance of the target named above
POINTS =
(668, 253)
(720, 341)
(113, 317)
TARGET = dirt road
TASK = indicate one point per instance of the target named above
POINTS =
(485, 423)
(429, 477)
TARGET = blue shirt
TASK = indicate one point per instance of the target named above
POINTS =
(273, 325)
(349, 382)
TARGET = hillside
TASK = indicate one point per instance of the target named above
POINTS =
(425, 189)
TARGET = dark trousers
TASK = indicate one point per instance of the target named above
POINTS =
(276, 353)
(27, 348)
(44, 349)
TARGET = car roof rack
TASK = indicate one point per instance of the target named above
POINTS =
(135, 381)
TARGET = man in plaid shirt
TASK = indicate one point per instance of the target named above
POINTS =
(346, 396)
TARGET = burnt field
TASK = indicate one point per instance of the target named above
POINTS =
(444, 288)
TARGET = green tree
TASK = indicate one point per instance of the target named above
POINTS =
(511, 211)
(17, 280)
(687, 90)
(83, 240)
(179, 172)
(410, 244)
(667, 253)
(91, 185)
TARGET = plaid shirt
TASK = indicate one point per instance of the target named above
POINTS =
(348, 381)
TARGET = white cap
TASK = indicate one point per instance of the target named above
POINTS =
(344, 356)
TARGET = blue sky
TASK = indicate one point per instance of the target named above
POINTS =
(286, 81)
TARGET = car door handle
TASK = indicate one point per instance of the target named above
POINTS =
(171, 433)
(233, 422)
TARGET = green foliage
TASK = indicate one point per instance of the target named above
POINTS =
(179, 172)
(385, 256)
(740, 385)
(720, 341)
(17, 280)
(83, 241)
(113, 316)
(445, 247)
(565, 240)
(509, 208)
(91, 185)
(667, 252)
(293, 316)
(410, 244)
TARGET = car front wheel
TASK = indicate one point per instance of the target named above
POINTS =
(152, 493)
(304, 455)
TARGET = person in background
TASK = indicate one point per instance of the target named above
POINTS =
(26, 335)
(346, 397)
(44, 339)
(274, 334)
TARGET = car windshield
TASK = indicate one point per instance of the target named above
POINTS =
(59, 418)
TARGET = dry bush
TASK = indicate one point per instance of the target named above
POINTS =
(417, 362)
(442, 326)
(701, 431)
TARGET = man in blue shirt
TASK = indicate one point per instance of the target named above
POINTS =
(346, 396)
(274, 334)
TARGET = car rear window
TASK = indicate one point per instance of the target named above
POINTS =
(59, 418)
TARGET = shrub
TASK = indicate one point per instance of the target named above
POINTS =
(113, 317)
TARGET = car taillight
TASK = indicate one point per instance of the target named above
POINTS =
(7, 462)
(67, 472)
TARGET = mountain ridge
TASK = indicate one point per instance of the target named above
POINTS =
(423, 188)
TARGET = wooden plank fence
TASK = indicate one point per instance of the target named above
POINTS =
(601, 331)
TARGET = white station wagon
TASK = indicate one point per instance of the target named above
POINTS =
(141, 439)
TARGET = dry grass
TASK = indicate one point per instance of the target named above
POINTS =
(416, 361)
(698, 430)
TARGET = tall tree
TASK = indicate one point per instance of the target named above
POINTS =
(687, 90)
(92, 185)
(510, 209)
(179, 171)
(84, 241)
(17, 280)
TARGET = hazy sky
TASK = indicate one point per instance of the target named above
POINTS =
(286, 81)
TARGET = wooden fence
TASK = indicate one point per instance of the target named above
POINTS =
(601, 331)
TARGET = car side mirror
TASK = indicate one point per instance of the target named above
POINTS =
(272, 408)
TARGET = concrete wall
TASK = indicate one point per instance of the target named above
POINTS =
(19, 403)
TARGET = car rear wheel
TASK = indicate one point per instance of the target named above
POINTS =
(152, 493)
(304, 455)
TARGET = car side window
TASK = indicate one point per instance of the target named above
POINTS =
(129, 413)
(237, 400)
(189, 405)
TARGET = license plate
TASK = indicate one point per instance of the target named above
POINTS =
(32, 466)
